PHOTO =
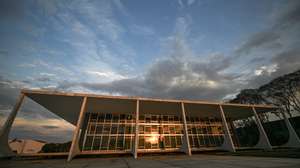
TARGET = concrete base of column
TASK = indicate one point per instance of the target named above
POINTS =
(227, 146)
(5, 150)
(75, 150)
(294, 141)
(185, 148)
(263, 144)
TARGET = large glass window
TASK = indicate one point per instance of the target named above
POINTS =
(160, 131)
(108, 132)
(204, 132)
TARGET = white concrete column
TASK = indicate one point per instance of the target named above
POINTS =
(293, 141)
(136, 137)
(5, 150)
(263, 141)
(74, 150)
(228, 143)
(185, 143)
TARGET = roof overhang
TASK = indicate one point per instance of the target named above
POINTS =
(67, 105)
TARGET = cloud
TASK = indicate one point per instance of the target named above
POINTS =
(180, 74)
(258, 40)
(275, 50)
(109, 75)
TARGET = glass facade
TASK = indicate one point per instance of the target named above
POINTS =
(108, 132)
(204, 132)
(160, 132)
(115, 132)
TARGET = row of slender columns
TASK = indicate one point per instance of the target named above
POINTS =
(264, 143)
(227, 145)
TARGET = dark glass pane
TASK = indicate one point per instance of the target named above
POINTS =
(120, 142)
(114, 129)
(148, 119)
(191, 141)
(141, 142)
(165, 118)
(142, 118)
(211, 140)
(92, 129)
(128, 129)
(160, 128)
(197, 119)
(121, 129)
(166, 129)
(101, 117)
(154, 118)
(172, 129)
(173, 142)
(167, 141)
(196, 143)
(104, 143)
(94, 117)
(122, 117)
(88, 143)
(99, 129)
(201, 140)
(127, 142)
(108, 117)
(115, 118)
(209, 130)
(96, 144)
(199, 130)
(206, 140)
(171, 118)
(112, 143)
(106, 129)
(194, 130)
(129, 117)
(178, 141)
(204, 130)
(141, 129)
(176, 118)
(189, 129)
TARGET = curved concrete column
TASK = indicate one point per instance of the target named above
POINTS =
(186, 148)
(294, 141)
(135, 145)
(263, 141)
(228, 143)
(5, 150)
(74, 150)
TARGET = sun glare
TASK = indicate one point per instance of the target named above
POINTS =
(153, 139)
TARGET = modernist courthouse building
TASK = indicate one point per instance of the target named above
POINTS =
(114, 124)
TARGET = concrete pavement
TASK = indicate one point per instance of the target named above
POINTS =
(166, 161)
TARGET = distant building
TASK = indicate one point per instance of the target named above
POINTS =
(26, 146)
(119, 124)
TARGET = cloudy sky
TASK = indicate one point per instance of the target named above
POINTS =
(190, 49)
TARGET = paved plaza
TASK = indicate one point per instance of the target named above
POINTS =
(168, 161)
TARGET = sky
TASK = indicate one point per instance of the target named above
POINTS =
(193, 49)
